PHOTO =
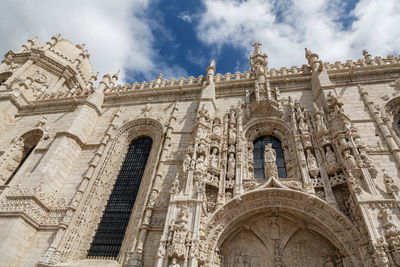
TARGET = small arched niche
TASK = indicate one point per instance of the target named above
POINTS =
(17, 154)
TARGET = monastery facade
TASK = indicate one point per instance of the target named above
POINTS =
(291, 167)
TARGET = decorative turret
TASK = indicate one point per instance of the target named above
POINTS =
(259, 62)
(211, 72)
(264, 99)
(313, 60)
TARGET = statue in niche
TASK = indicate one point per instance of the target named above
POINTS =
(232, 132)
(232, 118)
(186, 163)
(365, 157)
(350, 160)
(303, 127)
(319, 123)
(203, 115)
(270, 162)
(312, 164)
(243, 260)
(174, 263)
(231, 166)
(274, 230)
(214, 158)
(330, 156)
(200, 163)
(217, 129)
(347, 126)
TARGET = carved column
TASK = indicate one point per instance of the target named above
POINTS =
(394, 148)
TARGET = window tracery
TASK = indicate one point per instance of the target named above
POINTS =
(110, 233)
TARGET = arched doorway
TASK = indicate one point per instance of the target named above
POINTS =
(280, 227)
(273, 238)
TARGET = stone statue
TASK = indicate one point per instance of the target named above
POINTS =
(186, 163)
(270, 162)
(217, 129)
(243, 260)
(350, 160)
(312, 164)
(200, 163)
(303, 127)
(330, 156)
(232, 132)
(231, 166)
(319, 123)
(214, 158)
(174, 263)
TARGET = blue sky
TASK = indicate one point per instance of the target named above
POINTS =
(179, 38)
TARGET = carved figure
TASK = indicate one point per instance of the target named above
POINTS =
(350, 160)
(270, 162)
(319, 123)
(214, 158)
(332, 165)
(231, 166)
(203, 115)
(303, 127)
(217, 129)
(312, 164)
(200, 163)
(232, 133)
(186, 163)
(174, 263)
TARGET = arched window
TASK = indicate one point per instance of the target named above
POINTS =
(17, 154)
(259, 146)
(110, 233)
(25, 155)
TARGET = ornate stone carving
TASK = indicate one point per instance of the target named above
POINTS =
(231, 166)
(270, 162)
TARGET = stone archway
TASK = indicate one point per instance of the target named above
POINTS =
(283, 225)
(275, 238)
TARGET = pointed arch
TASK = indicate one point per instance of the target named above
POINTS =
(76, 246)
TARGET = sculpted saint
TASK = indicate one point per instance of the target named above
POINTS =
(270, 162)
(217, 129)
(231, 162)
(214, 158)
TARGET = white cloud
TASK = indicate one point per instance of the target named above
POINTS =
(185, 17)
(116, 33)
(317, 25)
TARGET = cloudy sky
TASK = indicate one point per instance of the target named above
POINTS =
(179, 37)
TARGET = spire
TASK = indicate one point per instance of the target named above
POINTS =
(258, 61)
(211, 72)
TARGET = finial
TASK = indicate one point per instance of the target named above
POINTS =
(212, 64)
(116, 75)
(257, 49)
(307, 52)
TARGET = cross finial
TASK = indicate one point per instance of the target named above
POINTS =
(257, 49)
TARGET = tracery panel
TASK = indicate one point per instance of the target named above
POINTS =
(110, 233)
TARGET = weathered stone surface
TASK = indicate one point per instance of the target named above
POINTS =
(63, 141)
